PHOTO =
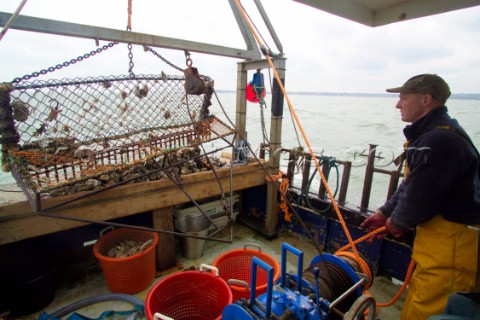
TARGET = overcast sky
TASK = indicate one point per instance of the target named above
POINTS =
(324, 53)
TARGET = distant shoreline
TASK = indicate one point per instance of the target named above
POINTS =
(464, 96)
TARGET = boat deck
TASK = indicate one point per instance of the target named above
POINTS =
(92, 282)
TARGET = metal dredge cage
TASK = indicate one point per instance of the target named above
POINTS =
(64, 136)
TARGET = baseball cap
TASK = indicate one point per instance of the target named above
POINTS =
(426, 83)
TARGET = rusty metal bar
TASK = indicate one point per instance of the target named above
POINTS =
(394, 178)
(345, 178)
(291, 166)
(326, 172)
(306, 170)
(367, 183)
(393, 185)
(342, 194)
(262, 151)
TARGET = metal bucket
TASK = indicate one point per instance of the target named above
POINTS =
(196, 225)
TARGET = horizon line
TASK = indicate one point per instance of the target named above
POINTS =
(454, 95)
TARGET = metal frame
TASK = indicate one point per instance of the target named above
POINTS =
(62, 28)
(251, 60)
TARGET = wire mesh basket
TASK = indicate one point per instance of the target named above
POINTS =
(189, 295)
(235, 267)
(64, 136)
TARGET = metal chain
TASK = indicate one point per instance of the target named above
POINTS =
(188, 60)
(164, 60)
(262, 122)
(129, 28)
(204, 77)
(65, 64)
(131, 64)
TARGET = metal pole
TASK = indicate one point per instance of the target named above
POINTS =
(367, 184)
(12, 18)
(275, 149)
(346, 293)
(291, 167)
(306, 170)
(342, 194)
(241, 104)
(326, 171)
(393, 185)
(269, 25)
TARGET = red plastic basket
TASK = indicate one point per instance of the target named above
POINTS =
(237, 265)
(189, 295)
(130, 274)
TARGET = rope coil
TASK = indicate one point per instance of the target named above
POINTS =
(284, 184)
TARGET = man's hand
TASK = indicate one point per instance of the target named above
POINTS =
(373, 222)
(397, 233)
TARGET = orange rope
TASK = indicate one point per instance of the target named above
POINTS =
(129, 10)
(275, 177)
(410, 269)
(365, 237)
(361, 263)
(292, 111)
(283, 191)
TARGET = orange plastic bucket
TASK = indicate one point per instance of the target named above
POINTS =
(130, 274)
(235, 267)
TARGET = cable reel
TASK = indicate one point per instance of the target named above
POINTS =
(293, 297)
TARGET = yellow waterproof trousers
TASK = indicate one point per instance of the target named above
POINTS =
(446, 257)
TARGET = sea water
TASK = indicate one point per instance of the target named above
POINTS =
(341, 126)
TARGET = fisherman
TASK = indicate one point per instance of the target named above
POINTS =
(439, 198)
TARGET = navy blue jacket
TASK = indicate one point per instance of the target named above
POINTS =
(444, 174)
